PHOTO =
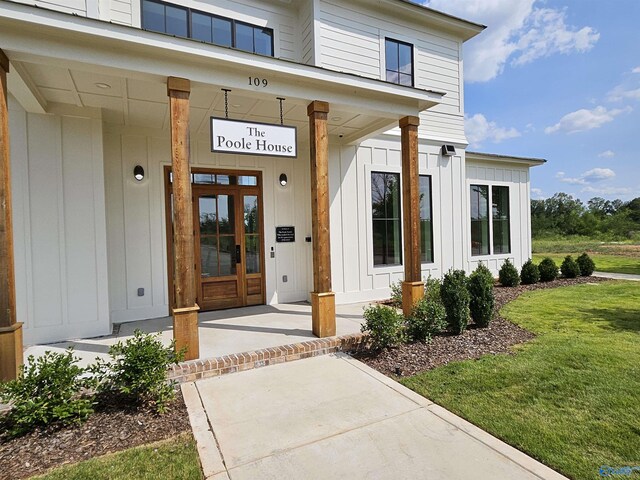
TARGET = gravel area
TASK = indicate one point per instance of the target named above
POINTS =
(499, 337)
(108, 430)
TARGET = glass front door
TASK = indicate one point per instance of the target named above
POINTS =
(228, 237)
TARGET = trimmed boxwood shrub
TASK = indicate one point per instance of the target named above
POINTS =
(455, 298)
(428, 316)
(137, 372)
(569, 267)
(480, 287)
(396, 294)
(587, 267)
(384, 325)
(530, 273)
(548, 270)
(50, 390)
(508, 275)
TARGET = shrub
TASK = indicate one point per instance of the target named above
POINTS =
(49, 390)
(480, 287)
(428, 315)
(384, 326)
(569, 267)
(137, 371)
(530, 273)
(396, 294)
(455, 298)
(548, 270)
(587, 267)
(508, 275)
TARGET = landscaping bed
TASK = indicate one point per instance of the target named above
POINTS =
(109, 429)
(443, 348)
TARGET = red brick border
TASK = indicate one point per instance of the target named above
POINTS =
(238, 362)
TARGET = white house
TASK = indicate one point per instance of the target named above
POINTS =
(110, 131)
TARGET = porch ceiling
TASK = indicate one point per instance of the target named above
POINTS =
(144, 103)
(71, 56)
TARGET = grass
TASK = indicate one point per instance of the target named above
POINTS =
(613, 257)
(571, 397)
(176, 458)
(604, 263)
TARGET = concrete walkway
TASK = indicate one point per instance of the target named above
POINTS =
(617, 276)
(333, 417)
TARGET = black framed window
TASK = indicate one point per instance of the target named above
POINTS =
(500, 219)
(184, 22)
(399, 62)
(426, 220)
(387, 223)
(479, 220)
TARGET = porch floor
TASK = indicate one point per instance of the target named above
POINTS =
(222, 332)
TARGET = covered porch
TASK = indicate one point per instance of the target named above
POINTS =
(222, 333)
(145, 86)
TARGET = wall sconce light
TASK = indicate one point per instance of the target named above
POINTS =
(448, 150)
(138, 173)
(283, 179)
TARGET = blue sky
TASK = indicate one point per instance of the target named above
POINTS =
(557, 79)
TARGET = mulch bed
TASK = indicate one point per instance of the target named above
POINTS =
(498, 337)
(108, 430)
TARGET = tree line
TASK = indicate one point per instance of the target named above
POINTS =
(563, 214)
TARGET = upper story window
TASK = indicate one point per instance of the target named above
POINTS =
(185, 22)
(484, 225)
(399, 62)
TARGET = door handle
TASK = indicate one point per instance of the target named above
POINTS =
(238, 254)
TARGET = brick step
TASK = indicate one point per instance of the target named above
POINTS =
(193, 370)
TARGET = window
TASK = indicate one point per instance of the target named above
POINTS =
(426, 223)
(500, 217)
(205, 27)
(480, 220)
(385, 206)
(399, 62)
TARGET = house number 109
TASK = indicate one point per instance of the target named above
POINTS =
(258, 82)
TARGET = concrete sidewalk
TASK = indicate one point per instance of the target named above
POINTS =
(333, 417)
(617, 276)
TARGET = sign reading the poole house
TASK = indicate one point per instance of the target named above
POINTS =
(249, 138)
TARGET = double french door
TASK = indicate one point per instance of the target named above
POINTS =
(228, 238)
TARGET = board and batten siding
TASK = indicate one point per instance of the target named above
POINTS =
(136, 221)
(352, 40)
(517, 179)
(59, 225)
(354, 277)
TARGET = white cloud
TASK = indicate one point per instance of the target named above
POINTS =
(607, 154)
(636, 70)
(606, 191)
(594, 175)
(537, 194)
(517, 30)
(583, 119)
(621, 93)
(478, 129)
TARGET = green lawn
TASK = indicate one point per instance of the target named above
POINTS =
(175, 459)
(571, 397)
(604, 263)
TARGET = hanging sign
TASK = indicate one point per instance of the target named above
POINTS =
(250, 138)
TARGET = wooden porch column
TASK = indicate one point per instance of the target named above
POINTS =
(412, 287)
(323, 302)
(185, 311)
(10, 330)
